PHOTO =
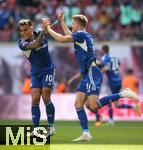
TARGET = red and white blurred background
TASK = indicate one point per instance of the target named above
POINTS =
(19, 107)
(14, 68)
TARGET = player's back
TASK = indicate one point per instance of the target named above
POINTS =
(39, 58)
(84, 50)
(113, 73)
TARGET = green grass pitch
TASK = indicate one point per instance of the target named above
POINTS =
(121, 136)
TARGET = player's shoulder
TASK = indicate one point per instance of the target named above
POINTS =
(21, 41)
(22, 44)
(84, 33)
(38, 30)
(111, 56)
(106, 56)
(81, 35)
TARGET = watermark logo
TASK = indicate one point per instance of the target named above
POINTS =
(21, 135)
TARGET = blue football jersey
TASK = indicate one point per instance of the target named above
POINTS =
(39, 58)
(84, 51)
(113, 73)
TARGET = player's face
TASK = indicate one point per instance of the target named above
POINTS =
(26, 31)
(75, 26)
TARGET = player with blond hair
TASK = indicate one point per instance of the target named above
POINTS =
(91, 77)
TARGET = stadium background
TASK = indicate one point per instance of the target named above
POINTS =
(118, 24)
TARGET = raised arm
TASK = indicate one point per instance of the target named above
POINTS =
(58, 37)
(63, 24)
(37, 42)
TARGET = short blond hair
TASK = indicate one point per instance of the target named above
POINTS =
(81, 19)
(24, 22)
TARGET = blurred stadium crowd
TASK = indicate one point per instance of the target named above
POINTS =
(108, 19)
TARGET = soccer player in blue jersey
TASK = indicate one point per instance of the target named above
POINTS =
(91, 76)
(34, 45)
(110, 66)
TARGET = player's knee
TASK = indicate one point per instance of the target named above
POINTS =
(35, 100)
(46, 100)
(78, 104)
(46, 95)
(93, 107)
(87, 106)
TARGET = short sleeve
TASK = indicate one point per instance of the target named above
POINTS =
(23, 44)
(38, 30)
(78, 36)
(105, 62)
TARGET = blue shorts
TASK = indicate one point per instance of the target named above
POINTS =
(46, 79)
(91, 82)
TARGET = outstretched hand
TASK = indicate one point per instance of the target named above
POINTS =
(61, 16)
(45, 23)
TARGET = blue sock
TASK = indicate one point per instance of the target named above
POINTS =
(82, 118)
(35, 115)
(108, 99)
(125, 106)
(110, 112)
(50, 111)
(97, 116)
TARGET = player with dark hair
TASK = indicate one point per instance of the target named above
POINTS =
(91, 76)
(34, 45)
(110, 66)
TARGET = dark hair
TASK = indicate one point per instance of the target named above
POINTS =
(81, 19)
(105, 48)
(129, 71)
